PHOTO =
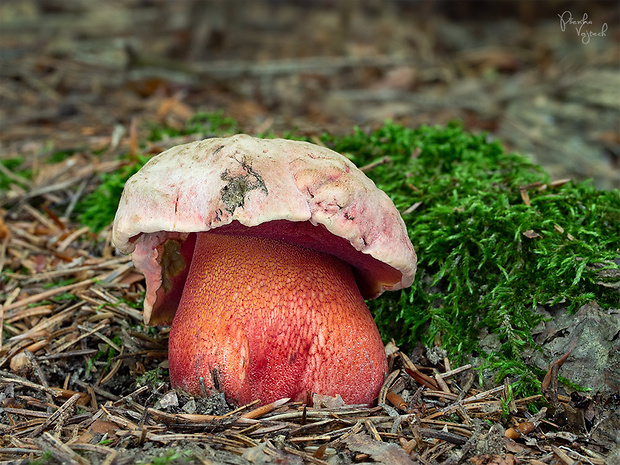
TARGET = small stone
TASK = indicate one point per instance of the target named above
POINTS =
(168, 400)
(19, 363)
(190, 407)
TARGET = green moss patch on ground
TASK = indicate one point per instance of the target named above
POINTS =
(495, 239)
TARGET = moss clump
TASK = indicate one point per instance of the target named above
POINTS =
(486, 258)
(97, 210)
(202, 125)
(14, 165)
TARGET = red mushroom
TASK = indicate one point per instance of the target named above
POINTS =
(260, 254)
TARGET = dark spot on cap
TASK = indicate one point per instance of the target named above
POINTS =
(233, 194)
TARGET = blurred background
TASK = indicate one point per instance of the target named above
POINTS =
(541, 76)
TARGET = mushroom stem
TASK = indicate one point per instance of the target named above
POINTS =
(263, 319)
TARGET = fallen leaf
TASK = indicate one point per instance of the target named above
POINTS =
(98, 427)
(380, 452)
(549, 386)
(515, 447)
(531, 234)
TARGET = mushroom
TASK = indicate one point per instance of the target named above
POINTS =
(260, 253)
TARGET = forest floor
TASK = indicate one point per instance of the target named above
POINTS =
(80, 376)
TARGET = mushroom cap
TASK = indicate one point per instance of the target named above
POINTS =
(293, 191)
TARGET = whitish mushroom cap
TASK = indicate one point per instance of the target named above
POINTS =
(294, 191)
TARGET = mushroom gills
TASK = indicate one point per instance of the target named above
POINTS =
(269, 320)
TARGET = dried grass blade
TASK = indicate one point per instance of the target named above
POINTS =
(11, 378)
(265, 409)
(47, 294)
(68, 344)
(57, 414)
(60, 450)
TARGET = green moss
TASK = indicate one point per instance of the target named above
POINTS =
(202, 125)
(65, 296)
(171, 456)
(14, 165)
(152, 378)
(59, 283)
(506, 405)
(477, 267)
(60, 156)
(106, 353)
(138, 303)
(46, 458)
(97, 210)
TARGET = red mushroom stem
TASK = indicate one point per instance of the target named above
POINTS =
(263, 319)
